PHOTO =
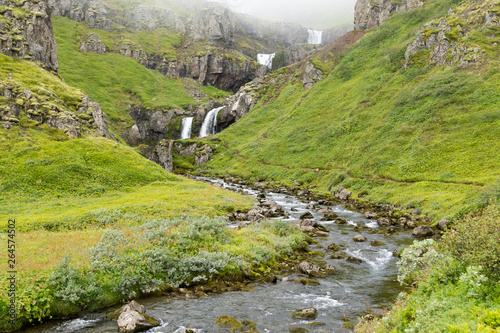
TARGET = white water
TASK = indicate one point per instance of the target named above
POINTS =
(315, 37)
(266, 59)
(187, 123)
(209, 125)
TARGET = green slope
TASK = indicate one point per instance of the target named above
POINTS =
(426, 137)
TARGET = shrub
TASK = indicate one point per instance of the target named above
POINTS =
(474, 240)
(416, 259)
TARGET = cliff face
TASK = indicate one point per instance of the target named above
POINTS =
(371, 13)
(445, 41)
(26, 32)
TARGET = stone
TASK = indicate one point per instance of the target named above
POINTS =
(422, 231)
(342, 193)
(333, 247)
(310, 269)
(354, 260)
(308, 282)
(306, 215)
(359, 238)
(384, 222)
(442, 224)
(370, 215)
(306, 313)
(324, 210)
(376, 243)
(329, 217)
(295, 329)
(132, 318)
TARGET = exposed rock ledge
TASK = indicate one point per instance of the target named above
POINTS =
(371, 13)
(26, 32)
(87, 118)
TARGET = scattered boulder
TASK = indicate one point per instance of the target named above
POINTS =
(337, 256)
(324, 210)
(298, 330)
(359, 238)
(310, 269)
(376, 243)
(306, 313)
(342, 193)
(422, 231)
(307, 282)
(340, 221)
(132, 318)
(370, 215)
(384, 222)
(330, 217)
(354, 260)
(333, 247)
(306, 215)
(442, 224)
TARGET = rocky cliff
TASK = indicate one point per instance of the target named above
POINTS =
(445, 41)
(371, 13)
(26, 32)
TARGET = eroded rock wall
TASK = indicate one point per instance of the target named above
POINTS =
(371, 13)
(26, 32)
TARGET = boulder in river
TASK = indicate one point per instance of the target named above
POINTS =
(132, 318)
(354, 260)
(306, 215)
(384, 222)
(231, 324)
(422, 231)
(376, 243)
(370, 215)
(306, 313)
(295, 329)
(309, 269)
(330, 217)
(324, 210)
(359, 238)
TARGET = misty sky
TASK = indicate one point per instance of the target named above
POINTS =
(317, 14)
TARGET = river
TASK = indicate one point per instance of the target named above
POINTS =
(354, 289)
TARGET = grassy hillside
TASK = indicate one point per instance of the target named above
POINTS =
(426, 137)
(116, 81)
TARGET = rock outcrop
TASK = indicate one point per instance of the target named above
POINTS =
(26, 32)
(93, 44)
(87, 117)
(444, 41)
(371, 13)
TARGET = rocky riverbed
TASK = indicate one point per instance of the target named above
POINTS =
(348, 271)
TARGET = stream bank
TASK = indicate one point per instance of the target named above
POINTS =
(364, 281)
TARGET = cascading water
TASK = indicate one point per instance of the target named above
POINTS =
(315, 37)
(266, 59)
(209, 125)
(186, 125)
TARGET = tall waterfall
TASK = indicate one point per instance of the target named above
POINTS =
(315, 37)
(209, 125)
(266, 59)
(186, 125)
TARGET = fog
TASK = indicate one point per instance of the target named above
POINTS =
(316, 14)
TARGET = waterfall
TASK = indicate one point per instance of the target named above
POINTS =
(209, 125)
(315, 37)
(187, 123)
(266, 59)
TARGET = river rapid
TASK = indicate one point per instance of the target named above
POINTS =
(355, 289)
